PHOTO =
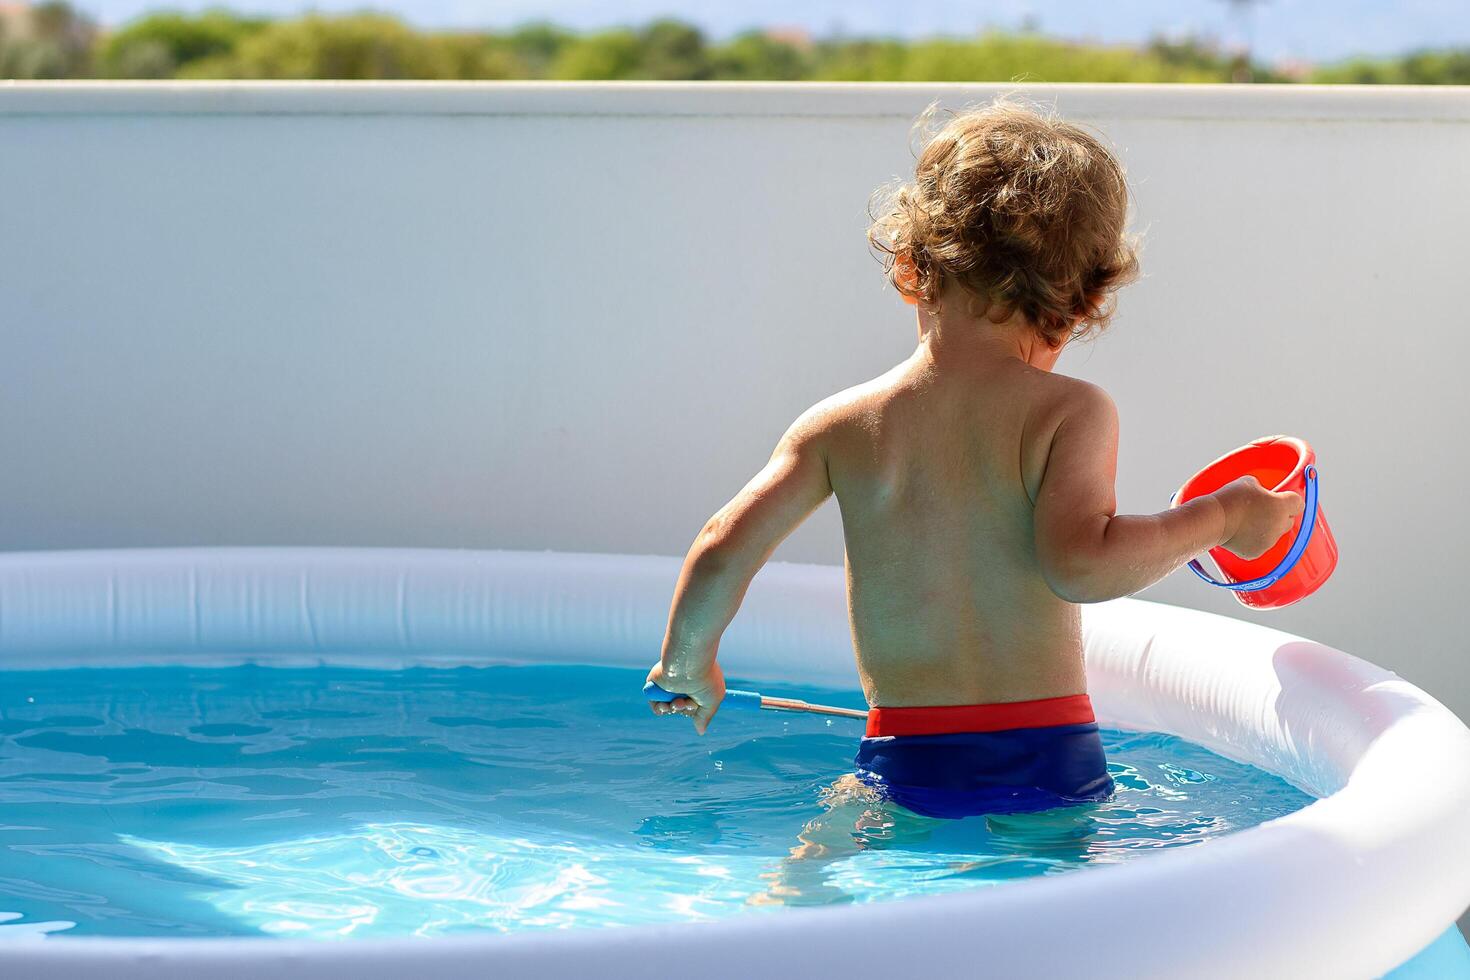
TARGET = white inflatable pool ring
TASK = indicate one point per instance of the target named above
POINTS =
(1350, 886)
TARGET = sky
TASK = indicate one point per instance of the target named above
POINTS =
(1280, 30)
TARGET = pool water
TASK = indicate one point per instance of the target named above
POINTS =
(327, 803)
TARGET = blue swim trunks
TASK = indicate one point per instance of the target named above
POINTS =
(966, 760)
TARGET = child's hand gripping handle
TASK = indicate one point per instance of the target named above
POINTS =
(733, 699)
(1306, 525)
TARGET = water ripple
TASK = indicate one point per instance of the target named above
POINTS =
(334, 803)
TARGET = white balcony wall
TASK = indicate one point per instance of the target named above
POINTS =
(533, 316)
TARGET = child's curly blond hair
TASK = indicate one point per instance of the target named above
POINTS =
(1023, 209)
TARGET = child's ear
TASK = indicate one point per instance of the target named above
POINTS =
(906, 277)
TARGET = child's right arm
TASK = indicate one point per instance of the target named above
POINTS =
(731, 548)
(1089, 553)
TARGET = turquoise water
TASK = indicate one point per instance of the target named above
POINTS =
(329, 803)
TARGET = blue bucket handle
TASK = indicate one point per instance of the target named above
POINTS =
(1293, 555)
(749, 700)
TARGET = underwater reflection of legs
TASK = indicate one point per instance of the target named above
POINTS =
(1057, 839)
(855, 817)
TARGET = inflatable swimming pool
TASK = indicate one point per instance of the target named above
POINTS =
(1353, 885)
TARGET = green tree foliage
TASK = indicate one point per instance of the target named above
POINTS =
(995, 57)
(51, 40)
(670, 50)
(609, 54)
(1451, 67)
(159, 45)
(665, 50)
(760, 57)
(356, 47)
(536, 47)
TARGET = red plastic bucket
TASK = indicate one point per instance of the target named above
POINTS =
(1295, 566)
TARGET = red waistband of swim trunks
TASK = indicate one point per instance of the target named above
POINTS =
(955, 719)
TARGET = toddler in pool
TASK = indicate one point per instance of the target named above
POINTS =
(976, 485)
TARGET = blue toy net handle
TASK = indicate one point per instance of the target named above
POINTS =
(748, 700)
(1293, 555)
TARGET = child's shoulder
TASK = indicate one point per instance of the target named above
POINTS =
(844, 420)
(1064, 395)
(1048, 395)
(1062, 403)
(853, 405)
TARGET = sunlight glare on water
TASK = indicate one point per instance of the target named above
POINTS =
(333, 803)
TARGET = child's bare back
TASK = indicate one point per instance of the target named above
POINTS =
(936, 466)
(976, 486)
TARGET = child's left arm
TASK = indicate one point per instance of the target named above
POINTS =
(731, 548)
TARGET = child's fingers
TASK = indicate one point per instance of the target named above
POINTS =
(702, 718)
(686, 706)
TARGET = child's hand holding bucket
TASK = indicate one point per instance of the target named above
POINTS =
(1256, 518)
(1279, 549)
